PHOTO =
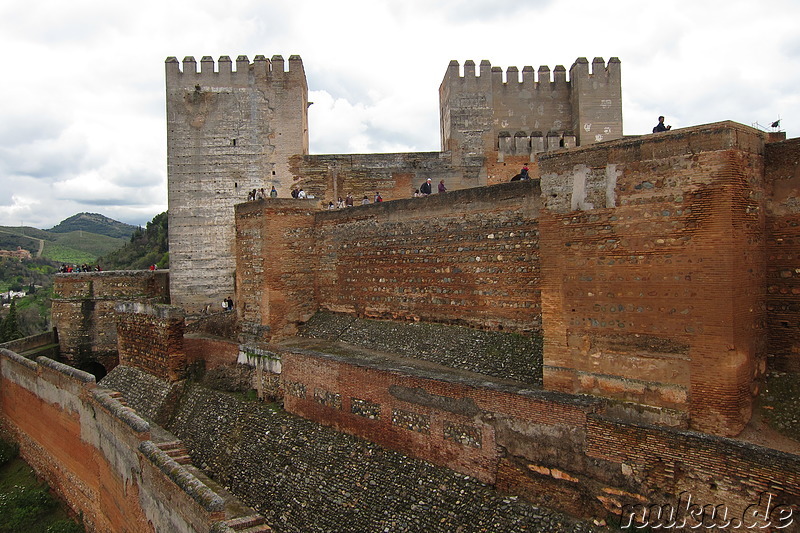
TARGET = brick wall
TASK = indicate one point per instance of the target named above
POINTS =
(652, 257)
(466, 257)
(554, 449)
(652, 265)
(274, 266)
(783, 254)
(83, 310)
(150, 338)
(96, 454)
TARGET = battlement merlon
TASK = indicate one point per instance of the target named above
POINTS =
(261, 69)
(600, 72)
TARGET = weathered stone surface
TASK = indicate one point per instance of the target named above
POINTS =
(502, 355)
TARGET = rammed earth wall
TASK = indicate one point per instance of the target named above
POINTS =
(97, 454)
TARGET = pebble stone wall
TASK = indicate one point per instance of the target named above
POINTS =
(304, 477)
(491, 353)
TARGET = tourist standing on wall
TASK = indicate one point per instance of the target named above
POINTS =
(348, 201)
(442, 188)
(273, 193)
(426, 187)
(660, 126)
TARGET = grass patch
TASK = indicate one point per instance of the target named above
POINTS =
(26, 503)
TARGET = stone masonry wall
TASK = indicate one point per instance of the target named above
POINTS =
(553, 449)
(96, 454)
(395, 176)
(466, 257)
(653, 267)
(228, 131)
(150, 337)
(783, 254)
(83, 310)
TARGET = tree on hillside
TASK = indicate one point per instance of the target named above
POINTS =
(9, 329)
(148, 246)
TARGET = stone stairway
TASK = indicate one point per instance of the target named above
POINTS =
(118, 396)
(177, 451)
(248, 524)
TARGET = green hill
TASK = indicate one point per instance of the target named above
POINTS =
(81, 238)
(94, 223)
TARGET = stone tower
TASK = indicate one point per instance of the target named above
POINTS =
(228, 132)
(482, 114)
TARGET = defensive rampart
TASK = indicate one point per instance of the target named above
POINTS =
(83, 311)
(642, 261)
(783, 254)
(466, 257)
(555, 449)
(97, 454)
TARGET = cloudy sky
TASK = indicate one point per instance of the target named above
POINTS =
(82, 122)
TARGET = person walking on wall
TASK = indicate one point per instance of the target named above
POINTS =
(426, 187)
(524, 173)
(660, 126)
(273, 193)
(442, 188)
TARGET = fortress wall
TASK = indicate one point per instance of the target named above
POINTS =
(783, 253)
(458, 425)
(83, 310)
(395, 176)
(554, 449)
(652, 259)
(468, 257)
(275, 266)
(227, 133)
(85, 444)
(150, 337)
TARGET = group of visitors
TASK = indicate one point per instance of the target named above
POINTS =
(299, 194)
(227, 304)
(427, 189)
(78, 268)
(341, 203)
(260, 194)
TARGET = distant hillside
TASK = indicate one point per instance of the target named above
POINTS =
(94, 223)
(81, 238)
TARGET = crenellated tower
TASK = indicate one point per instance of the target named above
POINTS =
(482, 113)
(229, 130)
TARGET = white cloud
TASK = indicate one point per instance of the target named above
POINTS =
(82, 122)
